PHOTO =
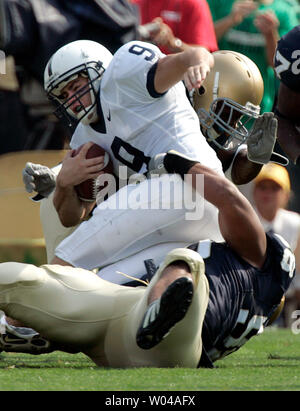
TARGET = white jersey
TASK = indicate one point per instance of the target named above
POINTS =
(138, 123)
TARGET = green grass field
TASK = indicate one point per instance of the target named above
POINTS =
(270, 361)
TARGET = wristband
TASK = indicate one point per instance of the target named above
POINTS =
(176, 163)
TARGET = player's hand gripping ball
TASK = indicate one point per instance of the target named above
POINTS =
(89, 189)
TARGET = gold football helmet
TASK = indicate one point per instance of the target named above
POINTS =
(229, 99)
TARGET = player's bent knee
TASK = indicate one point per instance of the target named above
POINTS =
(193, 260)
(181, 265)
(25, 274)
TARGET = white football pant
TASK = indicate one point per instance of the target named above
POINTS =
(135, 218)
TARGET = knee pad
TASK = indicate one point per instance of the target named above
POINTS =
(190, 257)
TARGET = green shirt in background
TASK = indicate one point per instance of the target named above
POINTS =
(245, 38)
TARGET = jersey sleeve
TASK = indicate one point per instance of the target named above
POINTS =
(133, 70)
(287, 59)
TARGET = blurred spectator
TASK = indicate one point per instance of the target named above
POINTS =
(295, 4)
(253, 28)
(271, 194)
(179, 23)
(31, 31)
(13, 128)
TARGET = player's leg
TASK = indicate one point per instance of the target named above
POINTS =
(16, 338)
(54, 231)
(68, 306)
(116, 233)
(139, 266)
(182, 305)
(172, 323)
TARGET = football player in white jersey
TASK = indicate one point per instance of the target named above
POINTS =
(134, 105)
(223, 104)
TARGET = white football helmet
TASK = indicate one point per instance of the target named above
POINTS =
(82, 57)
(229, 99)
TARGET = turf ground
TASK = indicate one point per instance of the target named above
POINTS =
(270, 361)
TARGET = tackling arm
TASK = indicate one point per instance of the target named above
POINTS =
(243, 170)
(238, 221)
(249, 160)
(240, 169)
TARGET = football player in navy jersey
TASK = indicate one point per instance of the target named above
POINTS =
(204, 301)
(228, 107)
(286, 64)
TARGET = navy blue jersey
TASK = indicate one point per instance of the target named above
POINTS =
(287, 59)
(242, 298)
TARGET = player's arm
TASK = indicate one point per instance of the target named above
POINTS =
(236, 165)
(238, 221)
(249, 160)
(70, 208)
(192, 65)
(260, 144)
(287, 113)
(74, 170)
(243, 170)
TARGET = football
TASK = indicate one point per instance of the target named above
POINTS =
(89, 189)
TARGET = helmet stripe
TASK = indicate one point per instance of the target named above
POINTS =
(49, 67)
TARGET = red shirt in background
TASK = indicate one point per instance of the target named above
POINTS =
(190, 20)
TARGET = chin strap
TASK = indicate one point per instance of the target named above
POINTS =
(279, 159)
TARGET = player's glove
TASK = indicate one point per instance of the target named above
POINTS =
(39, 178)
(170, 162)
(261, 141)
(156, 166)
